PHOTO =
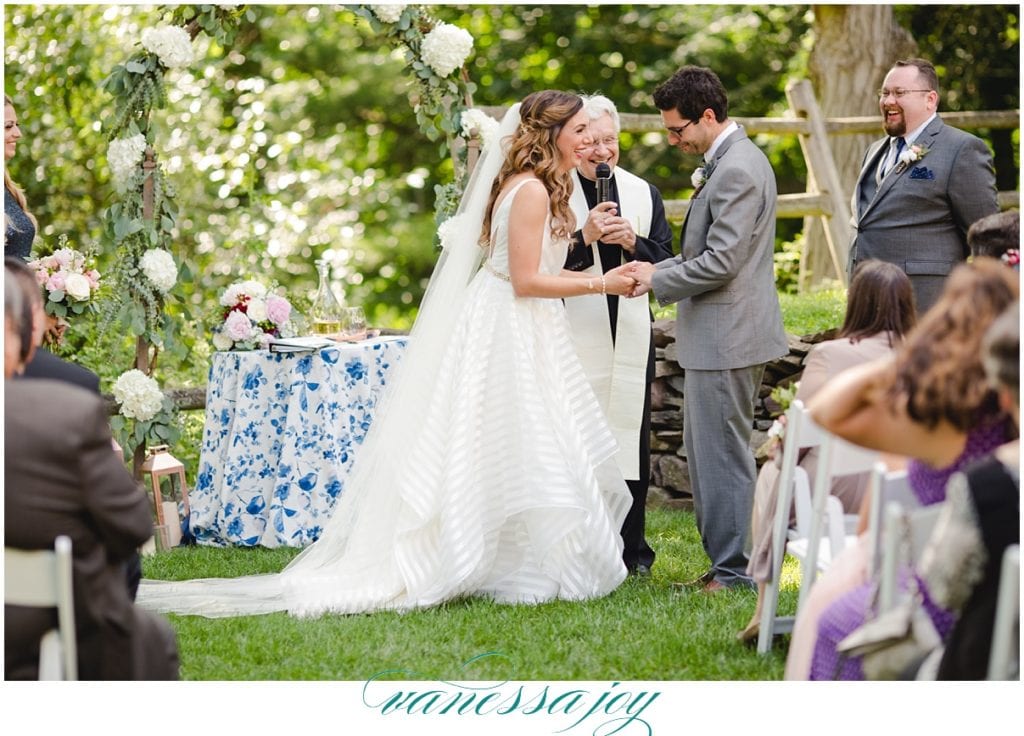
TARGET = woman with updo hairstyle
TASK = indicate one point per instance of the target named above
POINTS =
(19, 224)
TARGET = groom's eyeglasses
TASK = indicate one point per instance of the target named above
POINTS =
(679, 131)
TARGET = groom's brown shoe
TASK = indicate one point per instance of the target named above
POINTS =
(699, 582)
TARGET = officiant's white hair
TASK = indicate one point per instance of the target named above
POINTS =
(598, 105)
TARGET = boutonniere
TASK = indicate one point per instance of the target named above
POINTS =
(698, 177)
(1011, 258)
(912, 154)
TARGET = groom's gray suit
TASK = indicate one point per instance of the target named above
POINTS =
(918, 217)
(729, 325)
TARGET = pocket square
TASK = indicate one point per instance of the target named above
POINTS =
(922, 172)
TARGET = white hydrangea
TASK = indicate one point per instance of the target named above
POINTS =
(124, 155)
(387, 13)
(479, 122)
(221, 341)
(445, 48)
(171, 44)
(449, 229)
(139, 395)
(252, 289)
(159, 267)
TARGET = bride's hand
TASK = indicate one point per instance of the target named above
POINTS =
(618, 282)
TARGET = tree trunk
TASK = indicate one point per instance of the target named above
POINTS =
(855, 45)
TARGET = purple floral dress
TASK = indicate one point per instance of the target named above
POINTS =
(850, 611)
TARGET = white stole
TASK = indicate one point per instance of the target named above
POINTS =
(618, 374)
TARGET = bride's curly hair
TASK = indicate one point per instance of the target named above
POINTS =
(542, 116)
(939, 372)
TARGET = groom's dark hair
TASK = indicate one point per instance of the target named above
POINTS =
(691, 91)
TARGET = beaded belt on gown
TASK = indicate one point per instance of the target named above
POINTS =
(496, 272)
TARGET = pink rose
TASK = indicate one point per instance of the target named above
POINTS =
(42, 277)
(238, 326)
(65, 257)
(56, 282)
(278, 310)
(94, 277)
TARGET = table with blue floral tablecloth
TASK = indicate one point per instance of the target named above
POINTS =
(280, 435)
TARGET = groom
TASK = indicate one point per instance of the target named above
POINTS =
(728, 321)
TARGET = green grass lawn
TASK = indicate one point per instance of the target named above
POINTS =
(645, 630)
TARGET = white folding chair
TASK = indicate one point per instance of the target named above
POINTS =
(837, 458)
(884, 486)
(801, 432)
(1007, 621)
(897, 551)
(42, 579)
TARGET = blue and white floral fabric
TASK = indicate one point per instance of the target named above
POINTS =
(280, 436)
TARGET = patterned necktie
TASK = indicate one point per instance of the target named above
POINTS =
(886, 166)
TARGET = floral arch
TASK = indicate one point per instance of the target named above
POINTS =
(142, 220)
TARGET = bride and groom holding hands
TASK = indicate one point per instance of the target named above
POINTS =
(513, 475)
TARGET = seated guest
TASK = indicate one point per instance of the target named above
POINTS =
(879, 313)
(963, 561)
(60, 477)
(40, 363)
(996, 236)
(930, 403)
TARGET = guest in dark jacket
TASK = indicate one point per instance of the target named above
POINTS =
(61, 477)
(41, 363)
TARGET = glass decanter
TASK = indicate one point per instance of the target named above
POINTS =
(326, 313)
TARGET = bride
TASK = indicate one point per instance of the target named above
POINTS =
(489, 470)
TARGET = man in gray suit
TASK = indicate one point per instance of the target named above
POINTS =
(729, 321)
(921, 187)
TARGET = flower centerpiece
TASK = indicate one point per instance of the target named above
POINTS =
(252, 315)
(68, 280)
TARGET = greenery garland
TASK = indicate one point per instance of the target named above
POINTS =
(144, 216)
(439, 100)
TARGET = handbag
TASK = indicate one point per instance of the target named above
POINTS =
(891, 641)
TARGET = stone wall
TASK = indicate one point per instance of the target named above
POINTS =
(670, 482)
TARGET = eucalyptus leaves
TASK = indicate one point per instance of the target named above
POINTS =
(141, 223)
(436, 53)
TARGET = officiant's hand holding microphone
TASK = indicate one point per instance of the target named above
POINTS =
(603, 222)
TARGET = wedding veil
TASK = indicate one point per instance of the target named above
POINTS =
(343, 569)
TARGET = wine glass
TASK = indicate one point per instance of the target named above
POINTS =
(355, 323)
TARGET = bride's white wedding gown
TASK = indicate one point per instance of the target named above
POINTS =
(506, 487)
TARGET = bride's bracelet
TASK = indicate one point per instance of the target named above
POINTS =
(604, 285)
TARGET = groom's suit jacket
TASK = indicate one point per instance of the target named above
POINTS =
(918, 217)
(723, 279)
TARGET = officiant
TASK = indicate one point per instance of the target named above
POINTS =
(613, 334)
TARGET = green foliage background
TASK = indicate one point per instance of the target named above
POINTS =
(299, 140)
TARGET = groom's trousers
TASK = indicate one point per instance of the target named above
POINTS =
(718, 419)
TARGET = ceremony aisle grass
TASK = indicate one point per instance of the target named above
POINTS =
(645, 630)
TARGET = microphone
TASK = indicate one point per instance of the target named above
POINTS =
(604, 182)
